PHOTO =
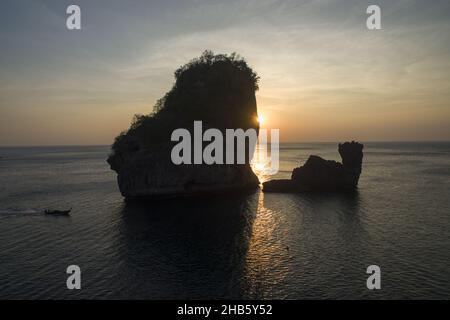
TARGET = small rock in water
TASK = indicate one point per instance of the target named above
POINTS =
(320, 175)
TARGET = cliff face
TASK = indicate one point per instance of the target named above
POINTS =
(319, 175)
(152, 174)
(217, 90)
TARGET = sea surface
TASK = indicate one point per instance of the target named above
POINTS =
(257, 246)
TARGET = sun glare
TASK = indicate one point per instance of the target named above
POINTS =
(260, 120)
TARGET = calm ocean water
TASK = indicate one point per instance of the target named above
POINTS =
(256, 246)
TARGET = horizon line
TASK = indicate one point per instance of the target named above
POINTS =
(288, 142)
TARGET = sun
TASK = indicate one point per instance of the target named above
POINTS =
(260, 120)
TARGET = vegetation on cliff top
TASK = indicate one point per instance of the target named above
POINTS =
(217, 89)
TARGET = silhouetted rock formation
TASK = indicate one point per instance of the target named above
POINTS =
(218, 90)
(318, 174)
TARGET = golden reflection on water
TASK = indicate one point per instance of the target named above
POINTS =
(265, 252)
(261, 163)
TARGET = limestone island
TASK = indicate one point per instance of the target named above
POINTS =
(320, 175)
(218, 90)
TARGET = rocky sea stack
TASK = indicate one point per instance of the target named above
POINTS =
(218, 90)
(319, 175)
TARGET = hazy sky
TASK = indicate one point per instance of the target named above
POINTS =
(324, 75)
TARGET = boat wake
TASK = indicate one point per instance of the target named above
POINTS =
(20, 211)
